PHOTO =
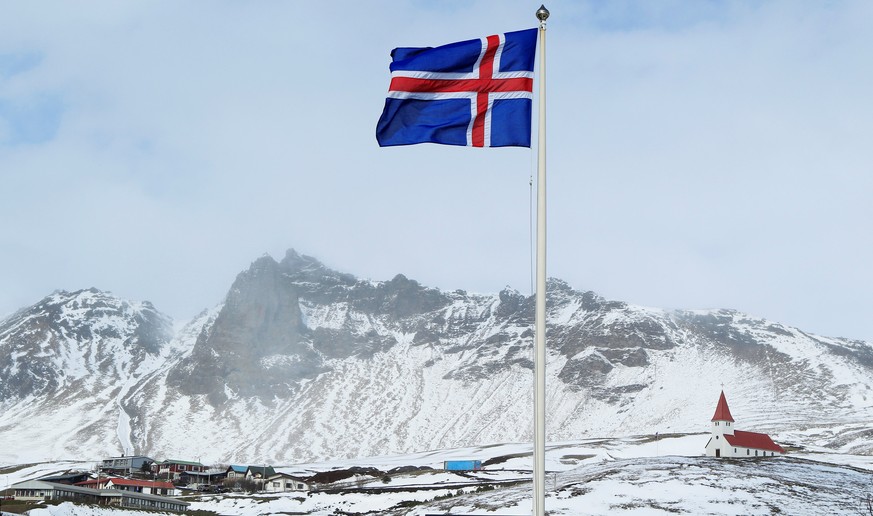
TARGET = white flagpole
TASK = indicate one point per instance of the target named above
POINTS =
(539, 455)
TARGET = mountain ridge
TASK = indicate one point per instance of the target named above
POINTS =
(301, 362)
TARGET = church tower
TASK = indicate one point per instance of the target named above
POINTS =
(727, 442)
(722, 419)
(722, 424)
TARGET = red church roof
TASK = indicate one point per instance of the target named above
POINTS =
(722, 412)
(752, 440)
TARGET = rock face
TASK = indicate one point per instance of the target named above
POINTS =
(301, 362)
(65, 364)
(71, 337)
(257, 344)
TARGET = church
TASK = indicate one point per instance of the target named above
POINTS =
(727, 442)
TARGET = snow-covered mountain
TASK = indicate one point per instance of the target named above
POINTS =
(66, 363)
(304, 363)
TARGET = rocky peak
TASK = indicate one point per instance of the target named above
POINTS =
(69, 335)
(303, 267)
(296, 262)
(402, 297)
(258, 344)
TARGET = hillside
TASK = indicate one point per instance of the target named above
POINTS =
(641, 475)
(302, 363)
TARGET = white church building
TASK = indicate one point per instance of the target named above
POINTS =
(728, 442)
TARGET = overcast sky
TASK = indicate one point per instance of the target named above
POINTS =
(700, 154)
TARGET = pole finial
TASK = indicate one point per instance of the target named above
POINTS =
(542, 13)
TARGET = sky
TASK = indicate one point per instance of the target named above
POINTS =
(701, 155)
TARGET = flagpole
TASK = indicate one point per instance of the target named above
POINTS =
(539, 455)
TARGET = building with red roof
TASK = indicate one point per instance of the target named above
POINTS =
(728, 442)
(142, 486)
(133, 485)
(94, 483)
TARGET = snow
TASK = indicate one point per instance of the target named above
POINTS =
(413, 408)
(637, 475)
(123, 430)
(70, 509)
(92, 347)
(413, 405)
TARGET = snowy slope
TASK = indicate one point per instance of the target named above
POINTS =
(639, 475)
(66, 364)
(302, 363)
(409, 368)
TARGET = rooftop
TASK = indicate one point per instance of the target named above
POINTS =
(753, 440)
(722, 412)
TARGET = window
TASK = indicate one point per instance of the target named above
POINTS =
(756, 453)
(275, 484)
(728, 423)
(716, 438)
(735, 450)
(747, 451)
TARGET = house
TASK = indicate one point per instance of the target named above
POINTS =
(37, 490)
(283, 482)
(235, 472)
(206, 478)
(729, 442)
(174, 468)
(143, 486)
(125, 464)
(126, 484)
(259, 473)
(94, 483)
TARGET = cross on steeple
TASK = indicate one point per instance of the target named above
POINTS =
(722, 412)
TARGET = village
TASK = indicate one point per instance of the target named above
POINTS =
(138, 481)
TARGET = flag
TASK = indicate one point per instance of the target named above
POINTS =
(474, 93)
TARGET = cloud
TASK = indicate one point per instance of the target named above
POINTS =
(700, 155)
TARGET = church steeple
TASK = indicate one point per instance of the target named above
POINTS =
(722, 412)
(725, 442)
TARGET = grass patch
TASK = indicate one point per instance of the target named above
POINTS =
(652, 438)
(503, 458)
(17, 467)
(572, 459)
(19, 506)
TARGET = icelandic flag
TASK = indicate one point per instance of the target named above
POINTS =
(475, 93)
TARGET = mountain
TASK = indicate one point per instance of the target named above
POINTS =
(65, 365)
(302, 363)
